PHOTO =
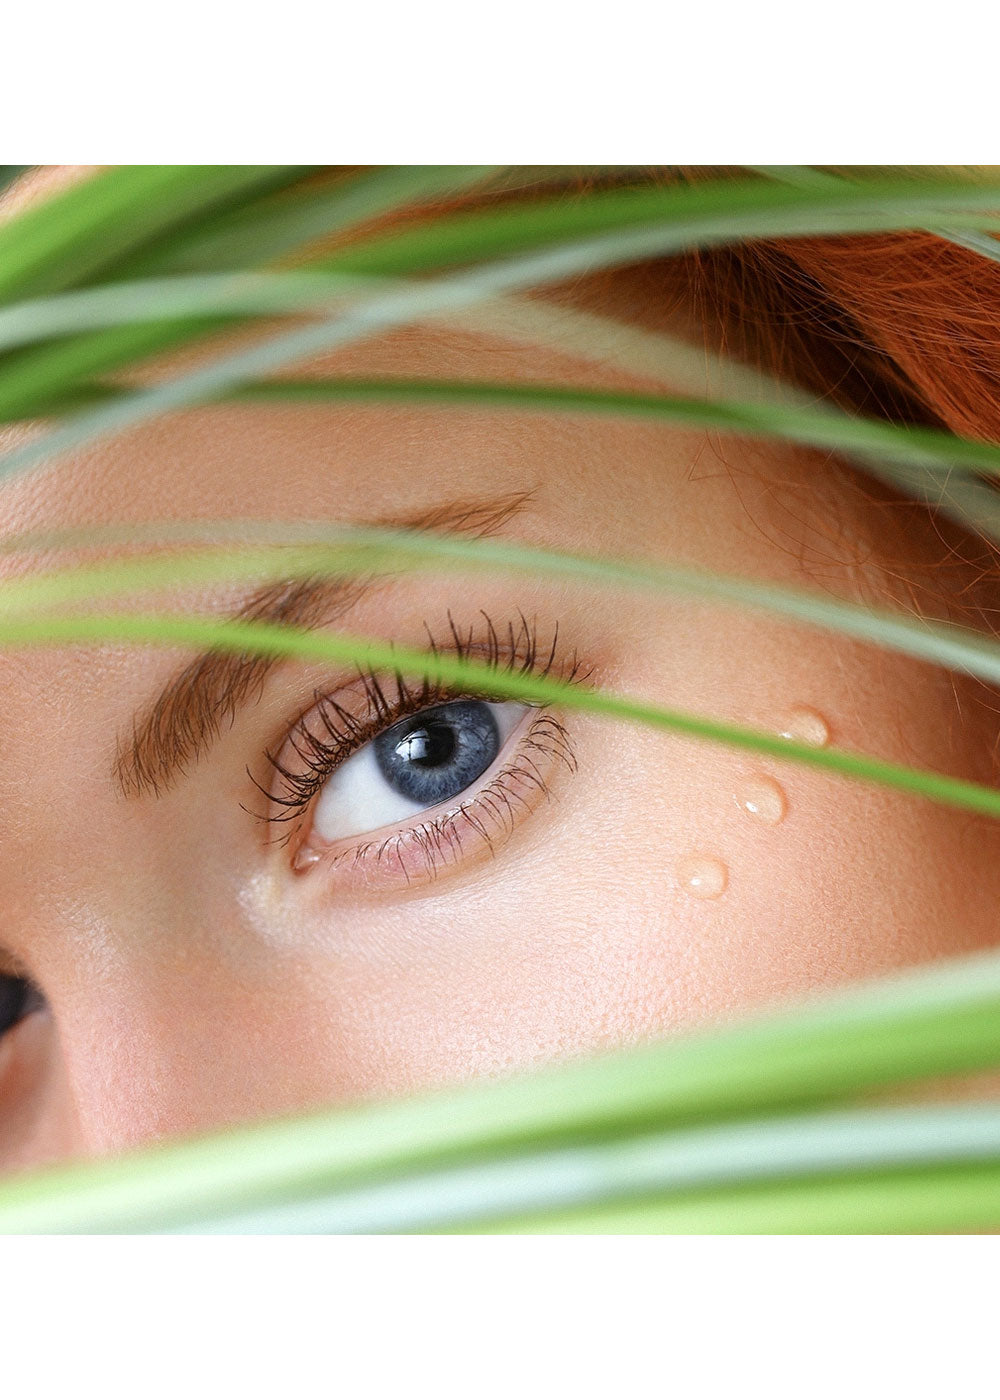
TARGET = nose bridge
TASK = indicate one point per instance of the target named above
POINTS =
(168, 1016)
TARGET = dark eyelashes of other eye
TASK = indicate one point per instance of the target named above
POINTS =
(514, 648)
(19, 997)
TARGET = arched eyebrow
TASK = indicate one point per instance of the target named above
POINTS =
(177, 728)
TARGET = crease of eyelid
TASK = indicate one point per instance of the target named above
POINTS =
(191, 711)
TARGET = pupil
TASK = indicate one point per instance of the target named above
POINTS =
(430, 745)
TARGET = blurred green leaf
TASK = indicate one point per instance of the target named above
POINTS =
(88, 227)
(600, 230)
(633, 1177)
(924, 1022)
(272, 550)
(274, 227)
(30, 382)
(670, 218)
(274, 640)
(814, 427)
(940, 1198)
(809, 177)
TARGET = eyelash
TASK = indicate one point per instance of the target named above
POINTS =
(512, 649)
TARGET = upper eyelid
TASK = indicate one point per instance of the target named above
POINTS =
(464, 645)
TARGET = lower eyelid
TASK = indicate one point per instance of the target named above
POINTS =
(458, 834)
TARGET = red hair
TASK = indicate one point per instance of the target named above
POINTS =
(903, 326)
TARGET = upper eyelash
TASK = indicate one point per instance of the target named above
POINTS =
(513, 649)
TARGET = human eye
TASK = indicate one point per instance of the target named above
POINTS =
(387, 782)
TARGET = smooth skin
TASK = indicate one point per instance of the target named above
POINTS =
(194, 977)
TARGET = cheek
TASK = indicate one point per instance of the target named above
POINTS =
(37, 1121)
(672, 882)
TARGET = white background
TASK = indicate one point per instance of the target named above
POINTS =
(865, 1318)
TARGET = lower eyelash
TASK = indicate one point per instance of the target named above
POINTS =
(420, 852)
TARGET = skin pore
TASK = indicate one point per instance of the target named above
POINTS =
(197, 969)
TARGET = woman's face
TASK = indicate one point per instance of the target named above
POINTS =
(487, 885)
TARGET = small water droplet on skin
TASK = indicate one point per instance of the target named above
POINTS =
(704, 877)
(763, 798)
(806, 726)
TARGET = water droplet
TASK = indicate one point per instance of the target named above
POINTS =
(702, 876)
(763, 798)
(806, 726)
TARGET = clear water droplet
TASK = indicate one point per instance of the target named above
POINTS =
(761, 797)
(704, 877)
(806, 726)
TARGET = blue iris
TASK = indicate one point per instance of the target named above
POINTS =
(433, 756)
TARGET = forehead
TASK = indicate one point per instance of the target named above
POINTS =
(304, 462)
(299, 462)
(366, 462)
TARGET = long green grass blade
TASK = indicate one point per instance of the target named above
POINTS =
(635, 1172)
(815, 427)
(808, 177)
(722, 211)
(32, 382)
(86, 229)
(272, 228)
(924, 1022)
(932, 1200)
(128, 322)
(268, 639)
(211, 296)
(981, 243)
(937, 467)
(246, 294)
(624, 235)
(322, 550)
(91, 229)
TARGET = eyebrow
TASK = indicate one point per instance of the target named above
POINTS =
(169, 736)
